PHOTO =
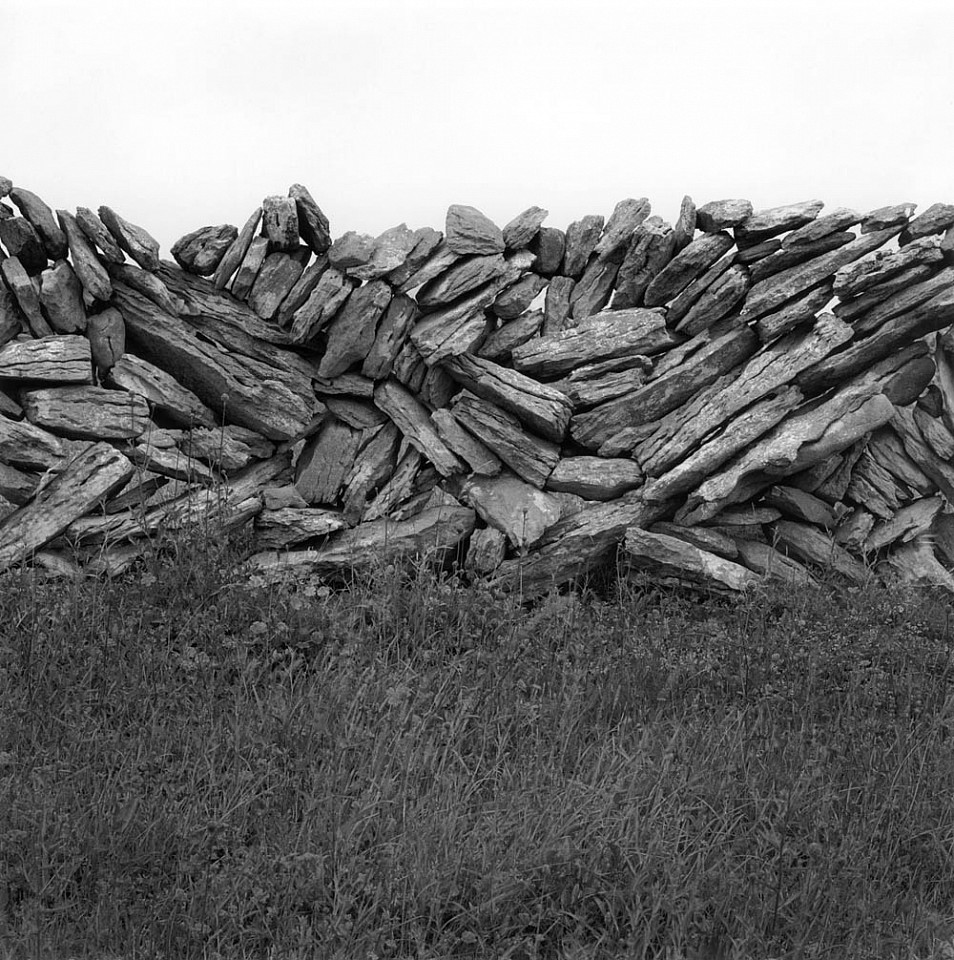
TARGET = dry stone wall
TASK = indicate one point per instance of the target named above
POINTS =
(744, 393)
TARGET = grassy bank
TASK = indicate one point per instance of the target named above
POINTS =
(196, 766)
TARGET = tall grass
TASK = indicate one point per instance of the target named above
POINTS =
(193, 764)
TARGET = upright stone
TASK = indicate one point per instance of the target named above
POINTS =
(26, 295)
(248, 271)
(721, 214)
(652, 247)
(523, 228)
(582, 237)
(388, 253)
(107, 339)
(41, 217)
(770, 223)
(23, 242)
(61, 296)
(548, 247)
(278, 274)
(884, 217)
(467, 230)
(96, 232)
(685, 228)
(626, 217)
(142, 247)
(280, 223)
(236, 252)
(312, 223)
(701, 254)
(91, 273)
(351, 335)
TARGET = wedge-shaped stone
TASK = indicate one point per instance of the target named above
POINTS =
(854, 529)
(800, 505)
(388, 253)
(164, 393)
(468, 448)
(26, 294)
(513, 301)
(577, 544)
(652, 246)
(769, 369)
(915, 563)
(592, 291)
(855, 278)
(768, 259)
(99, 235)
(426, 240)
(798, 312)
(227, 448)
(919, 450)
(902, 301)
(501, 343)
(529, 456)
(61, 297)
(313, 225)
(582, 237)
(718, 215)
(936, 219)
(464, 325)
(276, 402)
(25, 445)
(542, 408)
(284, 527)
(770, 223)
(373, 466)
(107, 339)
(886, 449)
(467, 231)
(936, 314)
(874, 488)
(413, 420)
(55, 359)
(704, 538)
(909, 522)
(686, 300)
(810, 545)
(520, 511)
(626, 217)
(87, 413)
(431, 534)
(352, 332)
(596, 383)
(235, 253)
(79, 486)
(660, 396)
(835, 222)
(142, 247)
(149, 285)
(348, 384)
(523, 228)
(21, 241)
(804, 438)
(852, 309)
(486, 551)
(91, 273)
(167, 462)
(688, 264)
(355, 413)
(595, 478)
(280, 223)
(768, 295)
(463, 277)
(17, 486)
(671, 560)
(410, 477)
(41, 218)
(769, 562)
(278, 274)
(896, 214)
(440, 259)
(718, 301)
(244, 279)
(328, 297)
(325, 461)
(201, 250)
(604, 336)
(556, 310)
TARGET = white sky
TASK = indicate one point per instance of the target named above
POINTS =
(182, 113)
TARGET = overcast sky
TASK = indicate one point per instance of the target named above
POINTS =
(183, 113)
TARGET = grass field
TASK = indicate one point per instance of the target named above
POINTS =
(195, 765)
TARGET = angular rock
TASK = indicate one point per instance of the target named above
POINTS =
(22, 444)
(280, 223)
(595, 478)
(721, 214)
(302, 289)
(107, 338)
(774, 263)
(202, 250)
(26, 294)
(313, 225)
(12, 320)
(685, 227)
(582, 237)
(915, 563)
(653, 244)
(598, 382)
(810, 545)
(79, 486)
(854, 307)
(227, 448)
(282, 527)
(97, 233)
(235, 253)
(855, 278)
(917, 448)
(702, 537)
(548, 246)
(486, 551)
(84, 412)
(355, 413)
(936, 219)
(391, 335)
(42, 220)
(626, 217)
(884, 217)
(607, 335)
(17, 486)
(6, 185)
(388, 253)
(351, 250)
(768, 562)
(431, 534)
(886, 449)
(671, 560)
(440, 259)
(248, 270)
(513, 301)
(520, 511)
(61, 297)
(352, 332)
(55, 359)
(802, 506)
(797, 312)
(467, 231)
(149, 285)
(325, 461)
(276, 277)
(426, 241)
(164, 393)
(593, 290)
(132, 239)
(166, 461)
(719, 300)
(834, 222)
(514, 333)
(328, 297)
(686, 300)
(523, 228)
(413, 420)
(694, 260)
(770, 223)
(91, 273)
(767, 295)
(909, 522)
(542, 408)
(556, 309)
(910, 382)
(464, 277)
(854, 529)
(468, 448)
(23, 242)
(529, 456)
